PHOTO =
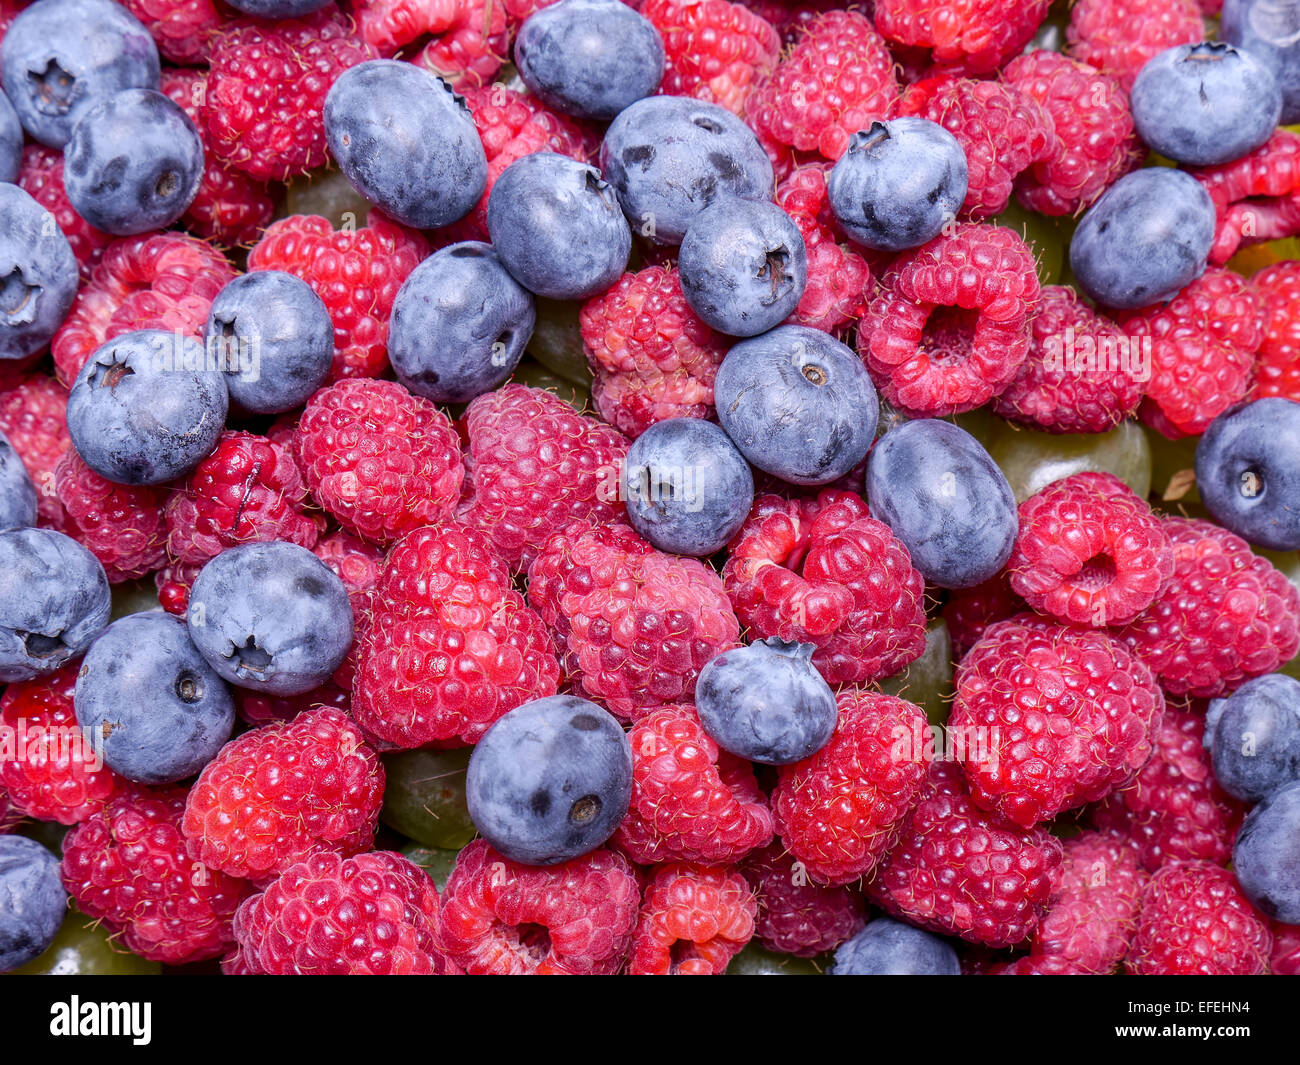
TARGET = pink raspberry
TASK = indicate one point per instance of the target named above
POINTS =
(41, 177)
(1256, 198)
(693, 921)
(469, 36)
(1119, 36)
(121, 525)
(974, 35)
(182, 29)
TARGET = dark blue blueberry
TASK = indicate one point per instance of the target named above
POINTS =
(406, 142)
(1270, 31)
(937, 488)
(61, 57)
(669, 157)
(743, 266)
(275, 337)
(278, 9)
(271, 617)
(1147, 238)
(153, 706)
(33, 901)
(589, 58)
(1248, 472)
(460, 324)
(1253, 737)
(890, 948)
(38, 274)
(1266, 857)
(798, 404)
(551, 780)
(766, 702)
(17, 493)
(899, 183)
(146, 409)
(11, 141)
(557, 227)
(54, 600)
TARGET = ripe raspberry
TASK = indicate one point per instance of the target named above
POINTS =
(41, 177)
(357, 563)
(382, 461)
(822, 571)
(973, 35)
(1195, 921)
(959, 871)
(1225, 616)
(1286, 950)
(1256, 198)
(34, 416)
(535, 466)
(841, 810)
(9, 816)
(790, 17)
(970, 611)
(282, 793)
(258, 709)
(374, 914)
(127, 866)
(121, 525)
(470, 36)
(355, 272)
(838, 79)
(506, 919)
(1277, 369)
(448, 645)
(173, 582)
(1081, 374)
(1119, 36)
(796, 916)
(182, 29)
(693, 921)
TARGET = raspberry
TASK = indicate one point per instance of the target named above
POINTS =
(790, 17)
(970, 611)
(973, 35)
(182, 29)
(1119, 36)
(948, 327)
(1225, 616)
(838, 79)
(173, 582)
(448, 646)
(535, 466)
(470, 35)
(503, 918)
(1096, 143)
(258, 709)
(1195, 921)
(691, 801)
(652, 357)
(34, 417)
(1082, 375)
(635, 626)
(121, 525)
(355, 272)
(824, 572)
(841, 810)
(127, 866)
(1277, 369)
(796, 916)
(1256, 198)
(959, 871)
(693, 921)
(373, 914)
(282, 793)
(1069, 715)
(41, 177)
(1286, 950)
(266, 90)
(382, 461)
(357, 563)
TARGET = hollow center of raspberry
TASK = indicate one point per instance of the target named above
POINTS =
(167, 184)
(189, 686)
(534, 941)
(949, 335)
(1096, 573)
(584, 810)
(52, 88)
(15, 293)
(39, 645)
(1252, 484)
(253, 659)
(682, 951)
(776, 269)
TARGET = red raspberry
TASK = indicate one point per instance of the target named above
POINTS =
(1286, 950)
(173, 582)
(1256, 198)
(535, 466)
(1225, 616)
(823, 571)
(182, 29)
(1082, 375)
(41, 177)
(9, 816)
(382, 461)
(282, 793)
(1096, 143)
(652, 357)
(1277, 370)
(970, 611)
(790, 17)
(691, 801)
(357, 563)
(374, 914)
(959, 871)
(470, 36)
(974, 35)
(34, 417)
(355, 272)
(258, 709)
(1119, 36)
(838, 79)
(506, 919)
(693, 921)
(841, 810)
(121, 525)
(1195, 921)
(127, 866)
(796, 916)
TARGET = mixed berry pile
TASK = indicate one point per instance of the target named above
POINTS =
(665, 487)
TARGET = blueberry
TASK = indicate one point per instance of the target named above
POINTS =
(54, 600)
(890, 948)
(271, 617)
(1248, 473)
(937, 488)
(406, 142)
(145, 409)
(1266, 857)
(151, 703)
(1253, 737)
(1147, 238)
(766, 702)
(899, 183)
(17, 493)
(557, 227)
(33, 901)
(551, 780)
(798, 404)
(276, 339)
(460, 324)
(669, 157)
(589, 58)
(61, 57)
(11, 141)
(38, 274)
(1270, 31)
(278, 9)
